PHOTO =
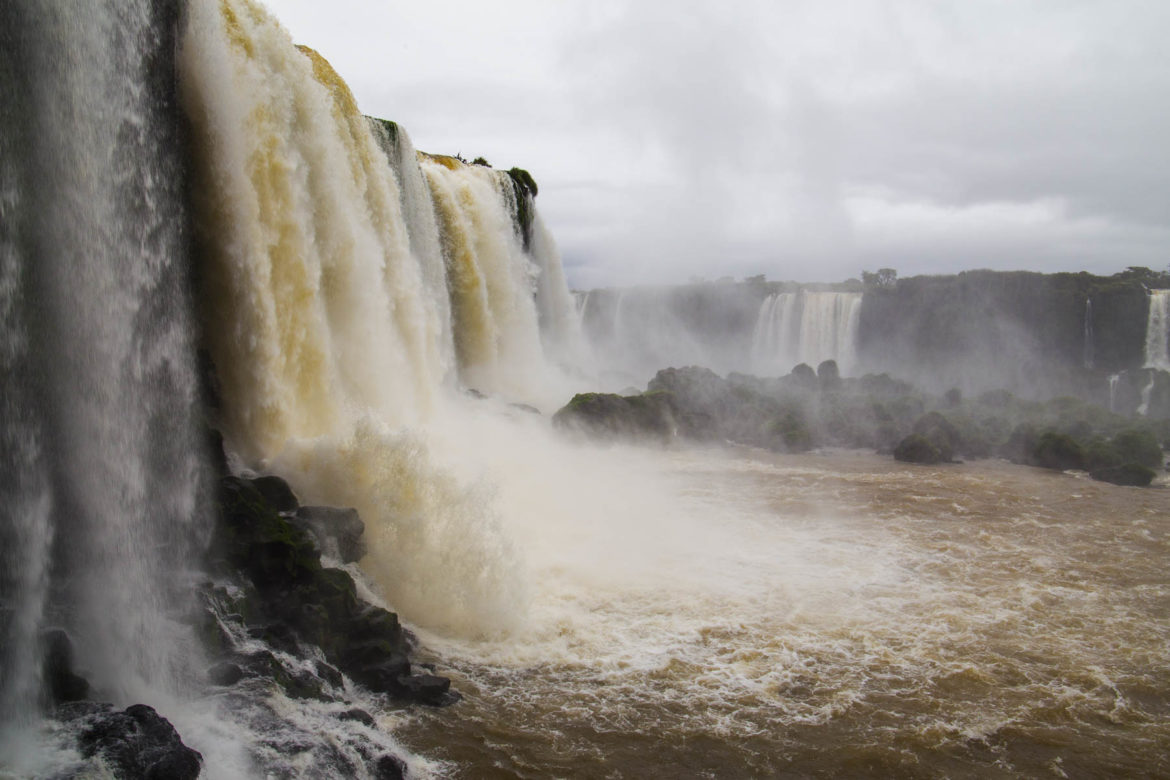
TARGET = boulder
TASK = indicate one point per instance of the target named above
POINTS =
(1057, 451)
(939, 431)
(916, 448)
(277, 493)
(138, 743)
(1129, 474)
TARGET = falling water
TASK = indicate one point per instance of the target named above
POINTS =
(101, 471)
(807, 328)
(1113, 380)
(1158, 331)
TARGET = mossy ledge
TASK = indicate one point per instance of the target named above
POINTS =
(270, 584)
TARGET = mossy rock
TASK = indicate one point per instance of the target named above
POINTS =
(916, 448)
(1138, 446)
(1058, 451)
(1128, 474)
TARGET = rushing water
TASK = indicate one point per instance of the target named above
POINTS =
(831, 615)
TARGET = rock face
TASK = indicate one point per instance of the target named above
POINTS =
(137, 744)
(286, 597)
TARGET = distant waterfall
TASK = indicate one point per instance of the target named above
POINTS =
(1088, 356)
(99, 509)
(809, 327)
(1158, 331)
(1113, 380)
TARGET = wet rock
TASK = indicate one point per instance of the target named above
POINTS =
(225, 673)
(426, 689)
(329, 674)
(139, 743)
(358, 715)
(939, 431)
(389, 767)
(1057, 451)
(277, 493)
(338, 531)
(916, 448)
(64, 685)
(1129, 474)
(607, 415)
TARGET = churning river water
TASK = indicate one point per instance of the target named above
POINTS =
(835, 614)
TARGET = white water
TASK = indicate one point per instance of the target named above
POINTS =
(1158, 331)
(809, 327)
(1113, 380)
(99, 497)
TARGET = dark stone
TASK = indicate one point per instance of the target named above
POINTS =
(338, 531)
(64, 685)
(804, 376)
(1057, 451)
(939, 431)
(829, 375)
(426, 689)
(607, 415)
(225, 673)
(139, 743)
(389, 767)
(329, 674)
(525, 408)
(1138, 446)
(1130, 475)
(277, 493)
(359, 715)
(916, 448)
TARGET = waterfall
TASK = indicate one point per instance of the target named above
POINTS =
(1088, 349)
(1113, 380)
(344, 276)
(1158, 331)
(101, 476)
(809, 327)
(1147, 391)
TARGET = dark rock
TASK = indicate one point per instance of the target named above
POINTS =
(359, 715)
(613, 416)
(338, 531)
(804, 376)
(1129, 474)
(939, 431)
(1138, 446)
(1057, 451)
(426, 689)
(525, 408)
(389, 767)
(139, 743)
(916, 448)
(329, 674)
(63, 684)
(225, 673)
(277, 493)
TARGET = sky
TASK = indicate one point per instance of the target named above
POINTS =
(805, 140)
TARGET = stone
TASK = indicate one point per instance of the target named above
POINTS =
(140, 743)
(338, 531)
(1129, 475)
(276, 492)
(916, 448)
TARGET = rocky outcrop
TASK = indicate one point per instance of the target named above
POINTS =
(133, 744)
(917, 448)
(268, 553)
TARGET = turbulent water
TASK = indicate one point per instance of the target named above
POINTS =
(835, 615)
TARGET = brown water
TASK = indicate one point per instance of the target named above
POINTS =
(830, 615)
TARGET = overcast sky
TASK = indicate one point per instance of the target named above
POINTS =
(801, 139)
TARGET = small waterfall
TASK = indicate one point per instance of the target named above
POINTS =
(560, 322)
(809, 327)
(1088, 357)
(1147, 391)
(101, 477)
(776, 335)
(1113, 380)
(1158, 331)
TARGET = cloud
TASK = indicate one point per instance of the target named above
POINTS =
(801, 139)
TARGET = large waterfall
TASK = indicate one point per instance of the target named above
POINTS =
(1158, 331)
(101, 481)
(806, 327)
(344, 292)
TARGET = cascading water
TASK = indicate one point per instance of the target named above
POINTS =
(1158, 331)
(101, 477)
(808, 327)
